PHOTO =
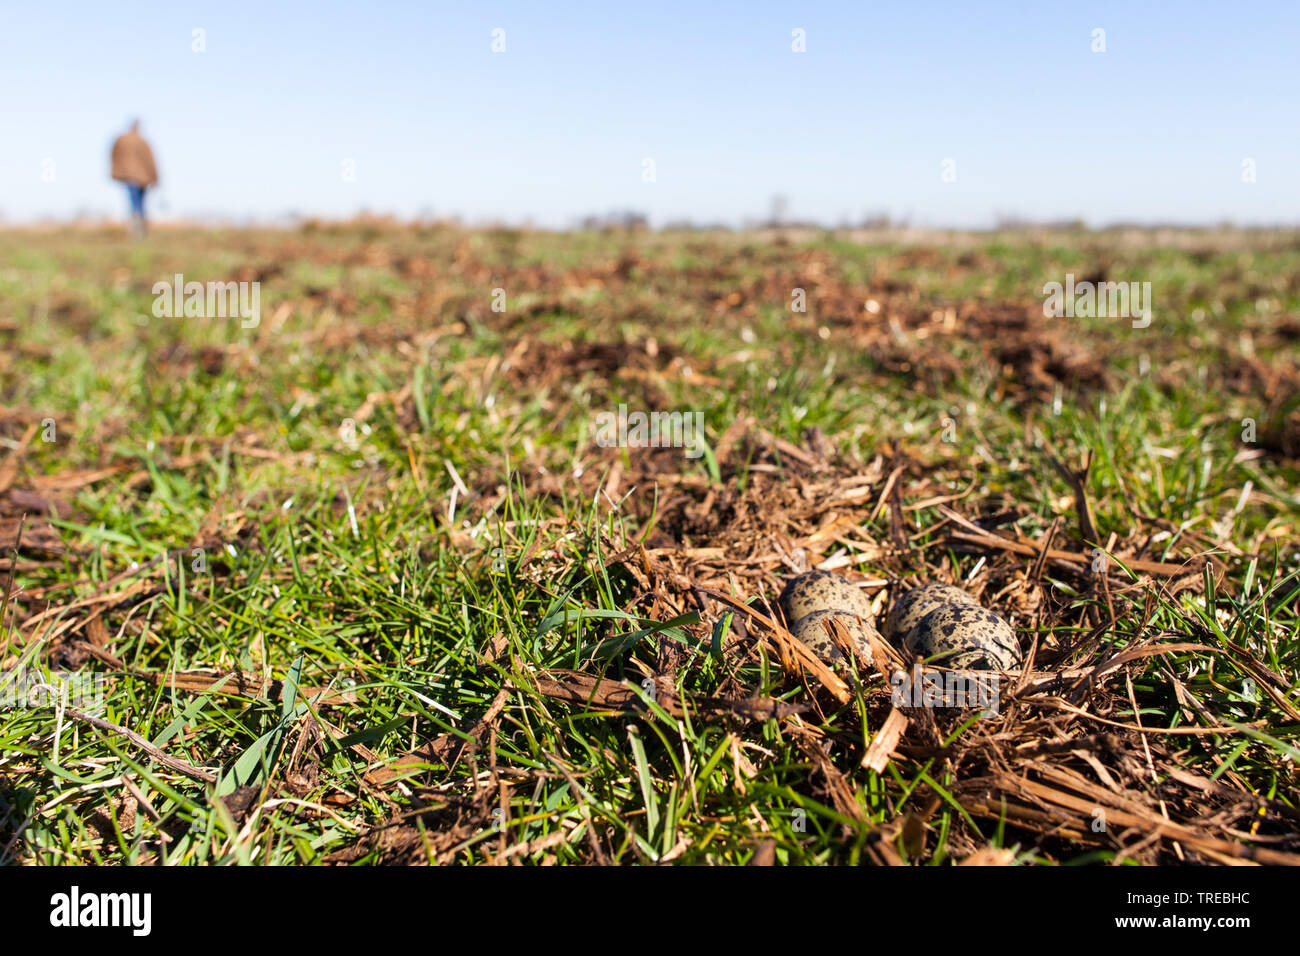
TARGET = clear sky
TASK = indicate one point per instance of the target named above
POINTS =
(261, 123)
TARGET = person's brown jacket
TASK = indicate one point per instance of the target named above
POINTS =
(133, 160)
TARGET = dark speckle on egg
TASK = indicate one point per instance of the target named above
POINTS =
(812, 630)
(916, 604)
(964, 636)
(821, 591)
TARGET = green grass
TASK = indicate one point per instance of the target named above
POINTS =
(330, 565)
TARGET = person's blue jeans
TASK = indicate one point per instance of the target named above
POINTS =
(136, 194)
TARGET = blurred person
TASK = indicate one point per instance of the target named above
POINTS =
(133, 165)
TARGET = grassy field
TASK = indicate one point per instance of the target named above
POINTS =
(357, 582)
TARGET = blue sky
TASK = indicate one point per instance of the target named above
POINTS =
(1156, 128)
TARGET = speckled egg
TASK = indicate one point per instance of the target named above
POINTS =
(812, 630)
(916, 604)
(961, 635)
(821, 591)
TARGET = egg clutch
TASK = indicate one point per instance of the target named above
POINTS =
(942, 625)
